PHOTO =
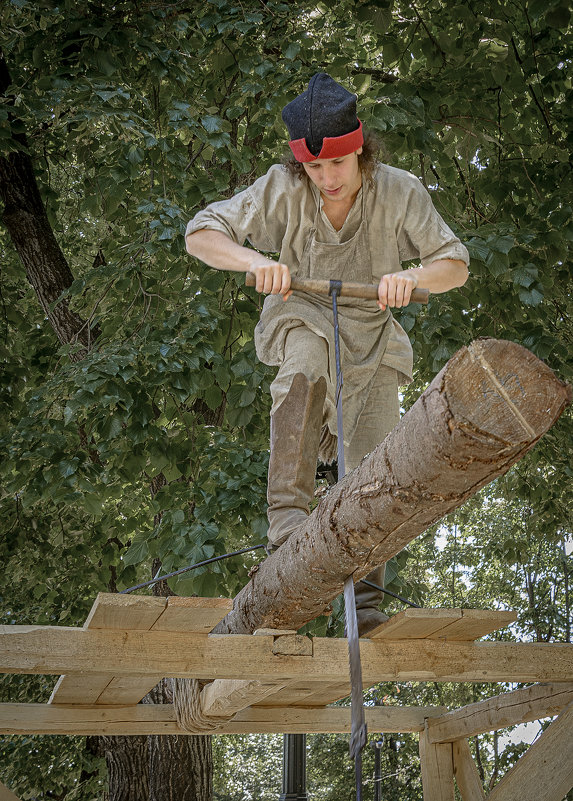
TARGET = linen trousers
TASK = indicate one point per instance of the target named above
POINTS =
(306, 352)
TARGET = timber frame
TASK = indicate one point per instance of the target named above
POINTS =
(129, 643)
(482, 413)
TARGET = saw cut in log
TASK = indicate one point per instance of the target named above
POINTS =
(482, 413)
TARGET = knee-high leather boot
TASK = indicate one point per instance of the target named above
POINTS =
(367, 601)
(295, 436)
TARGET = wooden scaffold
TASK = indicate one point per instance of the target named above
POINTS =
(482, 413)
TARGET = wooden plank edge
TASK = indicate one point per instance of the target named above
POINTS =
(27, 719)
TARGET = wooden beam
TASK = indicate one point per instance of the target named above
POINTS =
(139, 613)
(520, 706)
(226, 697)
(437, 766)
(545, 771)
(482, 413)
(46, 650)
(160, 719)
(466, 773)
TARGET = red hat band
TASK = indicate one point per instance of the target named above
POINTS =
(333, 147)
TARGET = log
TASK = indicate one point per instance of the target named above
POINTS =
(482, 413)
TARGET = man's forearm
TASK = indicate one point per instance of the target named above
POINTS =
(218, 250)
(441, 275)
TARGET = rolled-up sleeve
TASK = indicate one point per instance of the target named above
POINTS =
(253, 215)
(424, 234)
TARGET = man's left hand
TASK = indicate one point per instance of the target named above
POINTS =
(395, 289)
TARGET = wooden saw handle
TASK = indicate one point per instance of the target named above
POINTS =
(348, 289)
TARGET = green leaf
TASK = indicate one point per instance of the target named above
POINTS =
(136, 553)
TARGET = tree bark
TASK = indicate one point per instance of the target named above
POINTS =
(127, 767)
(180, 767)
(26, 220)
(482, 413)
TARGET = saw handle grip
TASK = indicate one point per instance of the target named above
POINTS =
(348, 289)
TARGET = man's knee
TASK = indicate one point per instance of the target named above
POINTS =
(306, 353)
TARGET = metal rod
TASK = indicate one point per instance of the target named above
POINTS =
(392, 594)
(190, 567)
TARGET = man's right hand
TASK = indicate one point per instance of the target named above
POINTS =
(272, 278)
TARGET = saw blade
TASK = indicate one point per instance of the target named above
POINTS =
(358, 731)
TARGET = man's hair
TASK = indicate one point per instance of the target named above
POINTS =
(367, 159)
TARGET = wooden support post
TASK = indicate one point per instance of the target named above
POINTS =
(482, 413)
(437, 766)
(466, 773)
(545, 771)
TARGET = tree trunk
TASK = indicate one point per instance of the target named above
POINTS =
(161, 768)
(180, 766)
(127, 767)
(484, 411)
(26, 220)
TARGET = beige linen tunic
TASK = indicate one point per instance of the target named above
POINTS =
(279, 214)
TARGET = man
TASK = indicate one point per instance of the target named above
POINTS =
(333, 211)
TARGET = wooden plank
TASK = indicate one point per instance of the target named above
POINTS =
(475, 623)
(137, 613)
(68, 689)
(192, 614)
(109, 611)
(462, 625)
(545, 771)
(45, 650)
(6, 794)
(466, 772)
(520, 706)
(124, 690)
(115, 611)
(410, 624)
(160, 719)
(437, 766)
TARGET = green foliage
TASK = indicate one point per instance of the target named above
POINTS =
(154, 446)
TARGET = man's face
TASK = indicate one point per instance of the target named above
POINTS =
(337, 179)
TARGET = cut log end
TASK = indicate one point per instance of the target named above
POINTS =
(503, 390)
